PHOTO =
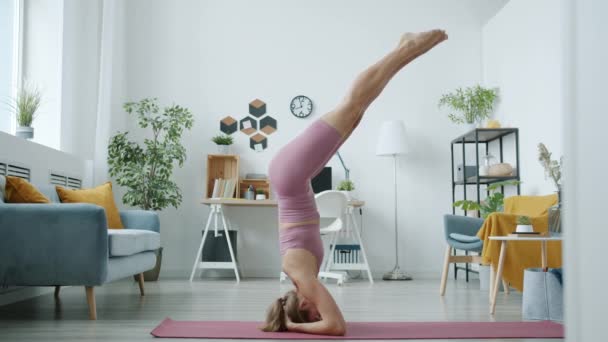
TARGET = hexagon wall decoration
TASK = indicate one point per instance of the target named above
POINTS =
(228, 125)
(268, 125)
(257, 108)
(258, 142)
(248, 125)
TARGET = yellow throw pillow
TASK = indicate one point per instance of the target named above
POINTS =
(18, 190)
(101, 195)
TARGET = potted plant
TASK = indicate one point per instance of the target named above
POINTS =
(146, 169)
(553, 170)
(25, 105)
(493, 203)
(223, 143)
(260, 194)
(346, 186)
(524, 225)
(470, 105)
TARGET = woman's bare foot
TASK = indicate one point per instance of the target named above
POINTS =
(413, 45)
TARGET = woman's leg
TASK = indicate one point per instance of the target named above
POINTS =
(370, 83)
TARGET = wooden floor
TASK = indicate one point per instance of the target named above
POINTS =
(124, 316)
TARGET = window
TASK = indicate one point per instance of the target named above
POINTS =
(10, 13)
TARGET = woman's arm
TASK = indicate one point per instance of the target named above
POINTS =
(332, 322)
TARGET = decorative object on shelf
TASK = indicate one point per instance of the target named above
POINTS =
(221, 166)
(392, 142)
(228, 125)
(470, 105)
(493, 124)
(256, 176)
(152, 188)
(500, 170)
(493, 203)
(254, 184)
(347, 186)
(260, 194)
(24, 105)
(524, 225)
(223, 143)
(553, 170)
(301, 106)
(250, 193)
(146, 171)
(484, 169)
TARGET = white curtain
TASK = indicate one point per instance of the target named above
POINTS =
(104, 99)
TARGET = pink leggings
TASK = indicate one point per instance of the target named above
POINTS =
(290, 173)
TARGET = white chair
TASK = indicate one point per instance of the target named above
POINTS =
(332, 206)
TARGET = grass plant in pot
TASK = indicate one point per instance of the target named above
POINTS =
(25, 105)
(524, 225)
(470, 105)
(223, 143)
(347, 187)
(146, 169)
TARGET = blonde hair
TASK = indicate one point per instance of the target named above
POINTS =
(286, 305)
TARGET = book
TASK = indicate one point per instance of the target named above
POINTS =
(215, 189)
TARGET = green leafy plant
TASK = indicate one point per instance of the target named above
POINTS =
(493, 203)
(223, 139)
(470, 105)
(346, 185)
(260, 192)
(524, 220)
(553, 168)
(146, 170)
(25, 104)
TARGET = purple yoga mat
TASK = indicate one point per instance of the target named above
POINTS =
(365, 330)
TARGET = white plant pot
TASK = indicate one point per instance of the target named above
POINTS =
(223, 149)
(260, 197)
(25, 132)
(524, 228)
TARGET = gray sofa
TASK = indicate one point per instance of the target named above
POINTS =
(70, 245)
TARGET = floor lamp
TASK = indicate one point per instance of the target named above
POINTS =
(392, 142)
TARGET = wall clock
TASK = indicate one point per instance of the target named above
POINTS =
(301, 106)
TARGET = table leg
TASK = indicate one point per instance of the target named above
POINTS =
(197, 260)
(543, 251)
(355, 228)
(236, 270)
(501, 264)
(491, 286)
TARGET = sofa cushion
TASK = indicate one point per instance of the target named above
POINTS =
(2, 185)
(49, 191)
(19, 190)
(125, 242)
(464, 238)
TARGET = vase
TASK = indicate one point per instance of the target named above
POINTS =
(524, 228)
(223, 149)
(25, 132)
(555, 222)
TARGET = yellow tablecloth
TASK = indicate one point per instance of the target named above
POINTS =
(524, 254)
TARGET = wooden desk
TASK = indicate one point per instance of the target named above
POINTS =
(216, 212)
(503, 252)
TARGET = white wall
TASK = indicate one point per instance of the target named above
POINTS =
(585, 230)
(6, 62)
(522, 55)
(42, 54)
(214, 57)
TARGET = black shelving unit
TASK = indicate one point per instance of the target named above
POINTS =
(483, 137)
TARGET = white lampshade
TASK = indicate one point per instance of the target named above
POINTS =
(392, 139)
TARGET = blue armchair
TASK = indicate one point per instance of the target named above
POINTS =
(460, 233)
(70, 245)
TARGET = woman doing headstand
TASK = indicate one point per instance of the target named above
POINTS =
(310, 308)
